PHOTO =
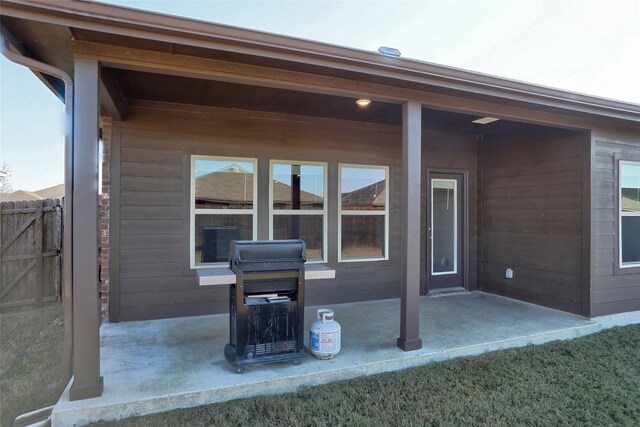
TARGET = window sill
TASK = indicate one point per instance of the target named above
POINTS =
(224, 276)
(627, 270)
(363, 259)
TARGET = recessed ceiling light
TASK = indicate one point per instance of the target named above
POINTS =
(485, 120)
(363, 102)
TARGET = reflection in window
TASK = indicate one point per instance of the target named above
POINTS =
(363, 212)
(362, 236)
(213, 233)
(444, 226)
(223, 207)
(298, 192)
(223, 184)
(629, 214)
(306, 227)
(363, 188)
(298, 187)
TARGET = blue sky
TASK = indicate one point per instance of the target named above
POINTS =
(585, 46)
(31, 129)
(631, 176)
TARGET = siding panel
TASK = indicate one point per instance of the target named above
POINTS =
(150, 183)
(158, 170)
(532, 218)
(147, 226)
(447, 151)
(152, 241)
(614, 290)
(155, 280)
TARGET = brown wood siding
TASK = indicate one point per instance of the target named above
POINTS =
(155, 280)
(615, 290)
(532, 217)
(453, 152)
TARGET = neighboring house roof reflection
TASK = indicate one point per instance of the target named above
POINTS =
(234, 184)
(372, 196)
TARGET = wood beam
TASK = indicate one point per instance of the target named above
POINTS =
(87, 382)
(111, 98)
(211, 69)
(411, 225)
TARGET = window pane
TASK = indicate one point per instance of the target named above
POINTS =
(363, 236)
(223, 184)
(630, 183)
(214, 232)
(443, 228)
(630, 212)
(306, 227)
(363, 188)
(630, 239)
(299, 187)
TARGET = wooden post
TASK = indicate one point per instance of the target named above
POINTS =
(2, 273)
(57, 246)
(38, 249)
(87, 382)
(411, 195)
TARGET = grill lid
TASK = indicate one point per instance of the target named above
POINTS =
(266, 251)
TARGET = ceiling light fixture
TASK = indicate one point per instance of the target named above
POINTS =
(363, 102)
(485, 120)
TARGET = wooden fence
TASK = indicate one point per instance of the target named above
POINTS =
(31, 259)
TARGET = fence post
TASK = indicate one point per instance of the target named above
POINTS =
(57, 243)
(1, 243)
(37, 235)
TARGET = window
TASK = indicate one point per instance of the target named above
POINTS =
(629, 214)
(223, 208)
(298, 208)
(444, 226)
(363, 213)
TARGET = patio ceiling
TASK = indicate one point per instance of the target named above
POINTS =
(144, 86)
(136, 85)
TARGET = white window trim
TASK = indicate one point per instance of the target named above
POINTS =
(455, 227)
(385, 212)
(621, 214)
(192, 209)
(323, 212)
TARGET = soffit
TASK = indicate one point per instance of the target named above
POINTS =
(45, 42)
(105, 23)
(137, 85)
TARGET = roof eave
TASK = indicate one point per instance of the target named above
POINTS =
(171, 29)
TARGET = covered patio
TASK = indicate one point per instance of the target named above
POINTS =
(158, 365)
(508, 167)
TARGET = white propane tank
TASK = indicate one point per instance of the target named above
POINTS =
(324, 336)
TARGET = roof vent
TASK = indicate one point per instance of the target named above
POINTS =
(388, 51)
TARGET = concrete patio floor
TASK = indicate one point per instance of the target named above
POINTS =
(159, 365)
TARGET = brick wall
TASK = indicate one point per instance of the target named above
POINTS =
(104, 220)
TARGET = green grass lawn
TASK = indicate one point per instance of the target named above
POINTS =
(30, 360)
(592, 381)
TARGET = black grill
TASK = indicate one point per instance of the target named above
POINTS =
(266, 302)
